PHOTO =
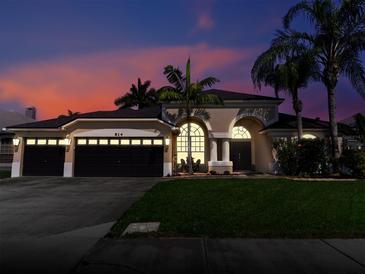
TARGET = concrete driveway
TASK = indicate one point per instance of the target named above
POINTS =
(48, 223)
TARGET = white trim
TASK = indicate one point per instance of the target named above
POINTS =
(67, 169)
(33, 129)
(220, 135)
(167, 168)
(220, 163)
(15, 169)
(121, 133)
(115, 119)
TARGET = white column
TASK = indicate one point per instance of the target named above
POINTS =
(225, 150)
(213, 150)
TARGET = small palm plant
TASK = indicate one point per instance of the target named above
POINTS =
(140, 96)
(190, 95)
(286, 73)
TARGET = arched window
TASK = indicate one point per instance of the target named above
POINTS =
(197, 143)
(309, 136)
(241, 133)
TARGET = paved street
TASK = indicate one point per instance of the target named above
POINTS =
(48, 223)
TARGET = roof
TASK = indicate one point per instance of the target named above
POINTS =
(239, 96)
(8, 118)
(148, 112)
(351, 121)
(287, 121)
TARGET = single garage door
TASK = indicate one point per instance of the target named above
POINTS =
(43, 157)
(116, 157)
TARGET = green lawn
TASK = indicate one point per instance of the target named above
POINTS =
(252, 208)
(4, 174)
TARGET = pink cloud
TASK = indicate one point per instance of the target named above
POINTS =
(205, 21)
(91, 82)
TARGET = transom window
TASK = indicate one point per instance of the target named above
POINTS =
(240, 133)
(197, 143)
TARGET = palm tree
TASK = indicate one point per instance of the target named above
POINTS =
(139, 96)
(289, 76)
(72, 113)
(336, 42)
(190, 95)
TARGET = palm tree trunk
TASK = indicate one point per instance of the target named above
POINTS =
(297, 105)
(333, 126)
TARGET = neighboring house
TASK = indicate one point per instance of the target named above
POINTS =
(351, 139)
(153, 141)
(8, 118)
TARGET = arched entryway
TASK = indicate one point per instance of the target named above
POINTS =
(240, 149)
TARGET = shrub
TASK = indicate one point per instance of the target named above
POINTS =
(226, 172)
(213, 172)
(304, 157)
(352, 162)
(287, 156)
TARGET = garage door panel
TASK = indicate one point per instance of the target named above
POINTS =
(116, 161)
(43, 160)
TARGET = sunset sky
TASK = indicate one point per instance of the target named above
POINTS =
(81, 55)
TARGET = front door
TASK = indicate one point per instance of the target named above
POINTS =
(240, 153)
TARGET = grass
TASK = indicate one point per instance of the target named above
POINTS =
(4, 174)
(268, 208)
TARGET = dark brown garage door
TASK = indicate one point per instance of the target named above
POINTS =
(118, 157)
(43, 157)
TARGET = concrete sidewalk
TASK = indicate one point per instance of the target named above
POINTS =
(224, 256)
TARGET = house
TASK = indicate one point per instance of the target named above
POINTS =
(352, 137)
(153, 141)
(8, 118)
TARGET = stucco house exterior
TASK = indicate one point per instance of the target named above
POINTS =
(153, 141)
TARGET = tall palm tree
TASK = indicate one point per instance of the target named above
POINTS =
(284, 73)
(337, 40)
(139, 96)
(190, 95)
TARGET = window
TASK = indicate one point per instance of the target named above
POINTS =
(41, 141)
(114, 141)
(241, 133)
(136, 141)
(93, 141)
(103, 141)
(31, 142)
(124, 142)
(197, 142)
(157, 142)
(309, 136)
(81, 141)
(147, 142)
(52, 142)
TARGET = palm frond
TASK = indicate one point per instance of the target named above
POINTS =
(208, 82)
(171, 95)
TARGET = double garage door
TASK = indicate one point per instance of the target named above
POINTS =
(96, 157)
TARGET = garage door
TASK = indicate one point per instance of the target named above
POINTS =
(118, 157)
(43, 157)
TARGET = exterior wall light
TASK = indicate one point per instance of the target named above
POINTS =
(16, 143)
(67, 141)
(167, 143)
